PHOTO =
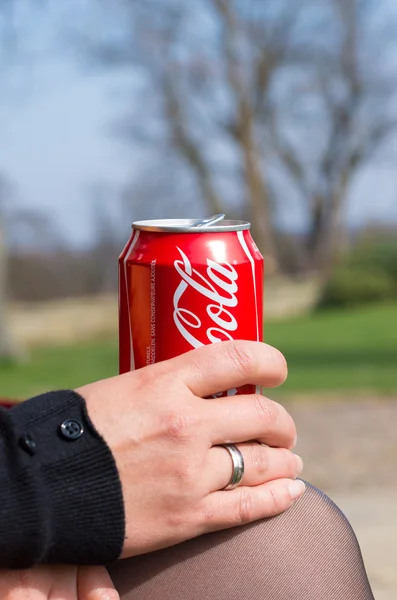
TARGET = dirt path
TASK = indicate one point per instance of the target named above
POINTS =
(350, 451)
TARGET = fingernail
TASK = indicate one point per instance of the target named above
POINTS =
(296, 489)
(299, 464)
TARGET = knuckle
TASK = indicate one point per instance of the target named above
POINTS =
(259, 459)
(266, 409)
(274, 501)
(241, 358)
(244, 507)
(179, 426)
(277, 420)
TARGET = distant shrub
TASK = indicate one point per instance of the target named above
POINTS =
(381, 255)
(368, 274)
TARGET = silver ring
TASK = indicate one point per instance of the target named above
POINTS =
(238, 466)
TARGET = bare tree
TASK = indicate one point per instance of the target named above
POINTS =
(345, 100)
(240, 126)
(210, 87)
(247, 91)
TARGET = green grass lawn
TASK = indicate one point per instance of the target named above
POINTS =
(59, 367)
(341, 350)
(331, 351)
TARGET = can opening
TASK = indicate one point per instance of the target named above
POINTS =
(210, 221)
(216, 223)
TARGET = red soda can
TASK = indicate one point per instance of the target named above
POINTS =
(184, 284)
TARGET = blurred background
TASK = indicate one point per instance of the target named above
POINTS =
(282, 112)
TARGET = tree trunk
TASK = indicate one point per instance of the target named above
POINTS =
(258, 201)
(325, 240)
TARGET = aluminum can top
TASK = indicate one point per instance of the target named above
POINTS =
(190, 226)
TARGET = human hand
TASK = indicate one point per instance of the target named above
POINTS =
(57, 583)
(165, 437)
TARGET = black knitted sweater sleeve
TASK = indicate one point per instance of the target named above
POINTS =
(61, 498)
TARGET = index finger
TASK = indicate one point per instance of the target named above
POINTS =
(226, 365)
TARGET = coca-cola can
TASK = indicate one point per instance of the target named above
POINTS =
(184, 284)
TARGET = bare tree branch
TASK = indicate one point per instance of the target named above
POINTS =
(288, 82)
(257, 193)
(353, 128)
(189, 149)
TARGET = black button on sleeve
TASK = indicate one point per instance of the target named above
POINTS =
(27, 443)
(65, 504)
(72, 429)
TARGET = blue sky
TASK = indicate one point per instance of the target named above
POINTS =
(54, 145)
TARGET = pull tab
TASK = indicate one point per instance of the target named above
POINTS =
(210, 221)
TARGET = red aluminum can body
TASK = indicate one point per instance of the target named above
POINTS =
(181, 288)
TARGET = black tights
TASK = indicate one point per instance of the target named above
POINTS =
(309, 552)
